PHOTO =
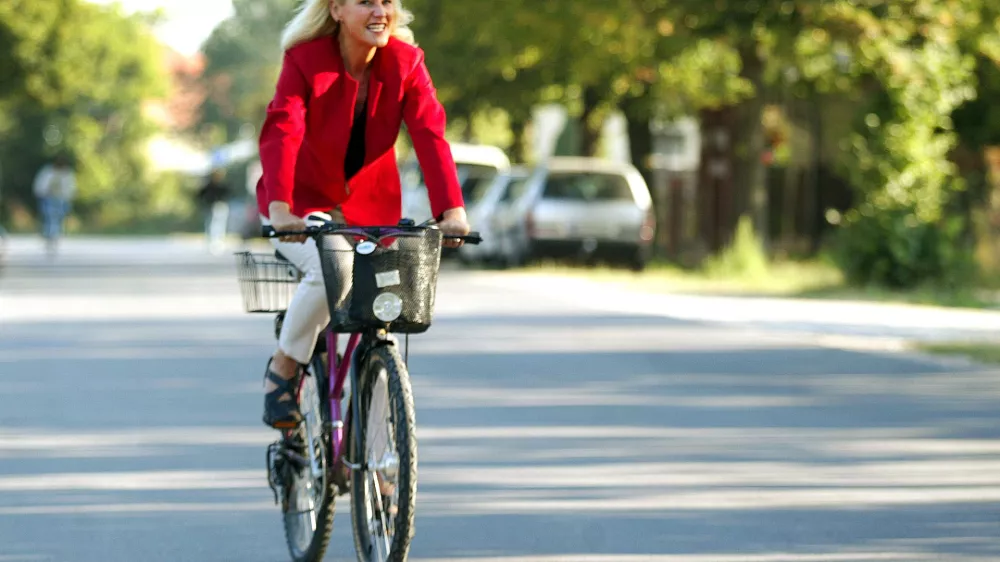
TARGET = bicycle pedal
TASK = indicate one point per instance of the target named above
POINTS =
(274, 469)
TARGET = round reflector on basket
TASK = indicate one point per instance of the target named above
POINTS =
(366, 247)
(387, 307)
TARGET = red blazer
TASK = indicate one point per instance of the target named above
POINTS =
(304, 139)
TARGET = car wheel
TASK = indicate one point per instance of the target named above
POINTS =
(640, 259)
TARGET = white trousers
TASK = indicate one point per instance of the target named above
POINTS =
(308, 312)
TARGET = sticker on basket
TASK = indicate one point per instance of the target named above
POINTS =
(387, 278)
(366, 247)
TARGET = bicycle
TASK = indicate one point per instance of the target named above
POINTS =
(393, 284)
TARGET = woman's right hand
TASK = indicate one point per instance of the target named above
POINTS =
(282, 220)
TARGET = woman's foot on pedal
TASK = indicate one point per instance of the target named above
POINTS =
(281, 409)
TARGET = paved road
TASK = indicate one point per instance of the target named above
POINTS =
(550, 428)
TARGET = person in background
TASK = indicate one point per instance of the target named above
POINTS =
(214, 197)
(250, 227)
(55, 186)
(3, 231)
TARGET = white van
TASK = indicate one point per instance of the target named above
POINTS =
(478, 166)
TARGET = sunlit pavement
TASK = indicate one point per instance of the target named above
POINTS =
(558, 421)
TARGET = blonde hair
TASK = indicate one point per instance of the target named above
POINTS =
(313, 20)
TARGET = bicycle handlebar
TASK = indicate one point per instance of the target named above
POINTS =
(333, 228)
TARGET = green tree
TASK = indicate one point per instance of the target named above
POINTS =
(913, 67)
(485, 63)
(243, 57)
(80, 74)
(909, 61)
(588, 56)
(762, 34)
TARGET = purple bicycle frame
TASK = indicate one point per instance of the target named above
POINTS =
(336, 377)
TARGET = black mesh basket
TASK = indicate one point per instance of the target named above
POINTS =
(266, 282)
(405, 266)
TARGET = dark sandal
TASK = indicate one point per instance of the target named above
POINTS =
(281, 409)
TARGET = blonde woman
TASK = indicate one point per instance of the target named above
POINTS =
(350, 77)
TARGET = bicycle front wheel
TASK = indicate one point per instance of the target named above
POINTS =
(384, 493)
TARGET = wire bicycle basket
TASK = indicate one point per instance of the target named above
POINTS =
(267, 282)
(392, 282)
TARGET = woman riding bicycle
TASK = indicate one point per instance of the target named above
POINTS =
(350, 77)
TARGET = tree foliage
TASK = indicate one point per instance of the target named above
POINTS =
(916, 72)
(243, 57)
(77, 76)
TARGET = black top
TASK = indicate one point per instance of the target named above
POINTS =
(213, 192)
(355, 157)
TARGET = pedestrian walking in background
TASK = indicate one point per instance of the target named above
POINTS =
(3, 232)
(55, 186)
(214, 198)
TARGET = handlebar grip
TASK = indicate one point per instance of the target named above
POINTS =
(268, 231)
(470, 238)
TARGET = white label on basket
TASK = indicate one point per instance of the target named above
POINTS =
(387, 278)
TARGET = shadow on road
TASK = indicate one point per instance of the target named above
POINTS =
(579, 437)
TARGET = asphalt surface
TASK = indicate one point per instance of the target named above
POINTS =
(551, 427)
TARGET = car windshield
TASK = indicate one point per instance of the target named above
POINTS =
(514, 188)
(475, 179)
(587, 186)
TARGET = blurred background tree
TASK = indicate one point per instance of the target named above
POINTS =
(77, 77)
(243, 57)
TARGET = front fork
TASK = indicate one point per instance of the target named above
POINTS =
(358, 360)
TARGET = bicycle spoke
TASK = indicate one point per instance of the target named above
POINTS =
(381, 456)
(380, 539)
(376, 550)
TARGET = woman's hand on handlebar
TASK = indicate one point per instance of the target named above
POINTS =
(454, 223)
(282, 220)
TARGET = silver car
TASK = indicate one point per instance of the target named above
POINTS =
(477, 167)
(583, 208)
(482, 204)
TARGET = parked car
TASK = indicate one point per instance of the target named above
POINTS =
(477, 165)
(482, 204)
(583, 208)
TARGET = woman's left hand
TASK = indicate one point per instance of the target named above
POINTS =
(454, 223)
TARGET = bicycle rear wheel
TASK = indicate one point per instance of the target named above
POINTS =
(383, 496)
(308, 508)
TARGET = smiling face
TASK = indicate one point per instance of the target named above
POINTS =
(367, 22)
